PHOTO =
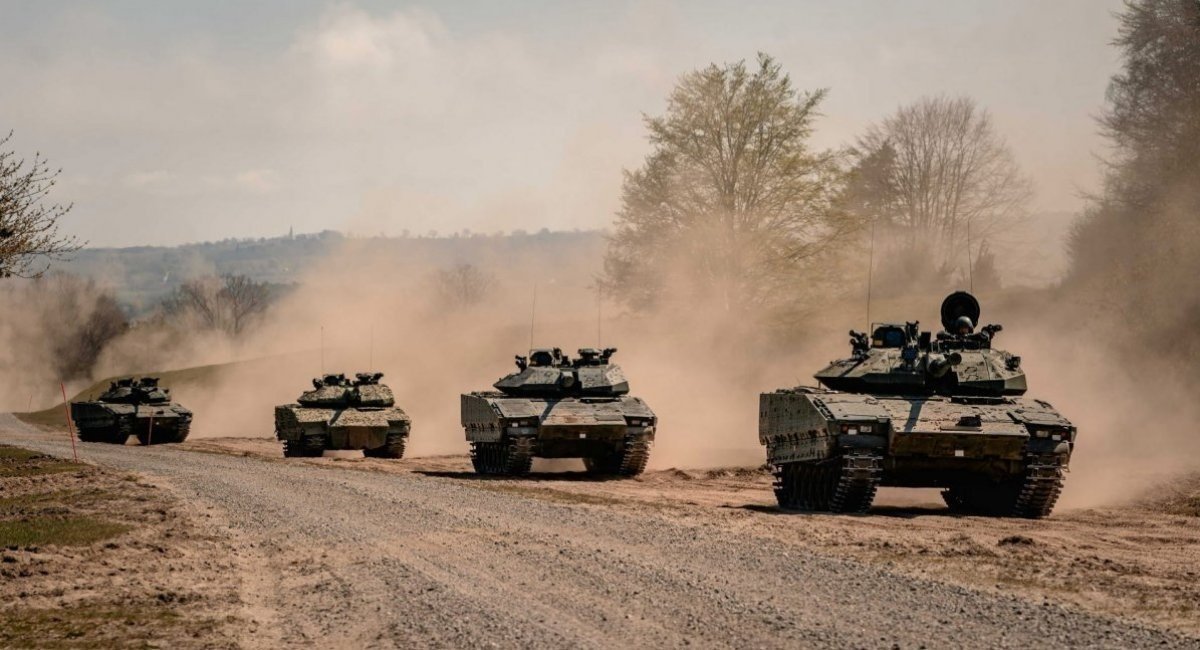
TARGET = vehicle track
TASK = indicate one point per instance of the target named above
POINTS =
(390, 560)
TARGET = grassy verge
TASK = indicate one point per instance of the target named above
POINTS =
(16, 462)
(92, 559)
(99, 625)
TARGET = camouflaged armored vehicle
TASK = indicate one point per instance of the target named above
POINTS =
(339, 413)
(138, 407)
(909, 409)
(553, 407)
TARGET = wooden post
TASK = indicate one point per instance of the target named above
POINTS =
(70, 426)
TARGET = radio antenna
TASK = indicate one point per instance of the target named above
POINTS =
(533, 315)
(599, 316)
(371, 350)
(970, 262)
(870, 273)
(322, 349)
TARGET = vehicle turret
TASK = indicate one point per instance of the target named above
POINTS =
(547, 372)
(903, 360)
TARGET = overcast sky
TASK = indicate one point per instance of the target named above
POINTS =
(178, 122)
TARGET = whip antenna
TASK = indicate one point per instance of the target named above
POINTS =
(870, 273)
(322, 349)
(371, 350)
(532, 315)
(599, 316)
(970, 262)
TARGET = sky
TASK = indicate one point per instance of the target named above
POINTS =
(176, 122)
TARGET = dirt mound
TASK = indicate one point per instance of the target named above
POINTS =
(1181, 496)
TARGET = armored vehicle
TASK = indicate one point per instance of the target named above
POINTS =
(555, 407)
(910, 409)
(138, 407)
(339, 413)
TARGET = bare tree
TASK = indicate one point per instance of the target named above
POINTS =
(76, 318)
(29, 238)
(227, 303)
(731, 198)
(935, 173)
(462, 285)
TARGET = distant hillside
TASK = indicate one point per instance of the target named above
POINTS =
(142, 275)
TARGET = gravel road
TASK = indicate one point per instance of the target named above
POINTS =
(361, 559)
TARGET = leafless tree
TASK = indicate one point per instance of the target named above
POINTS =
(227, 303)
(935, 172)
(462, 285)
(29, 238)
(76, 317)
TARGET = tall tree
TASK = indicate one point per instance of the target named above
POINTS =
(1137, 246)
(933, 172)
(29, 238)
(732, 201)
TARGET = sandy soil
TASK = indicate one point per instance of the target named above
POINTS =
(371, 553)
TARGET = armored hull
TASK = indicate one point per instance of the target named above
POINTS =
(130, 407)
(912, 411)
(343, 415)
(611, 435)
(831, 450)
(553, 408)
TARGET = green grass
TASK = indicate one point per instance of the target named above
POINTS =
(34, 503)
(16, 462)
(45, 530)
(88, 625)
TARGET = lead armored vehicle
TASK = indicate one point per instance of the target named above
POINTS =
(340, 413)
(911, 409)
(138, 407)
(555, 407)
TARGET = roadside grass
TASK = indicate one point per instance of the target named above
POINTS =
(87, 625)
(57, 530)
(16, 462)
(49, 516)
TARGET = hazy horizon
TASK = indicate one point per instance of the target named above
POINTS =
(177, 124)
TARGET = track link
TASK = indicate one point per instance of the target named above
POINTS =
(509, 457)
(1040, 489)
(845, 484)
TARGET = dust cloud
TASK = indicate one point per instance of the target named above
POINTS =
(700, 367)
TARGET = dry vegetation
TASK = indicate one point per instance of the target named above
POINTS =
(90, 558)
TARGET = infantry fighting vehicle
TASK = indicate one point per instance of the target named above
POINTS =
(553, 407)
(340, 413)
(910, 409)
(138, 407)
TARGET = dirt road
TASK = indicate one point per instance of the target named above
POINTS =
(380, 559)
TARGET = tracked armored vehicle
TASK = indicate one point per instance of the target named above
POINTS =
(339, 413)
(138, 407)
(553, 407)
(910, 409)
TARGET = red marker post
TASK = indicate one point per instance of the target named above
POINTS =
(70, 425)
